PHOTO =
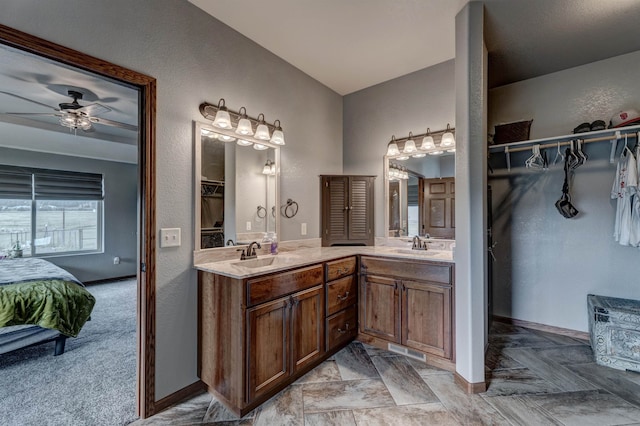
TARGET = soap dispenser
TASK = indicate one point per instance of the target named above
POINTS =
(274, 244)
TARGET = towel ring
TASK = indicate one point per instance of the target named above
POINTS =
(262, 212)
(290, 209)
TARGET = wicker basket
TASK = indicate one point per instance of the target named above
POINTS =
(512, 132)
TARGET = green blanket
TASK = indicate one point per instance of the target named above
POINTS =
(57, 304)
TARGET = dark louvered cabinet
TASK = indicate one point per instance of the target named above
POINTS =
(347, 210)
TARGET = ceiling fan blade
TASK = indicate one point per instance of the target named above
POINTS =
(94, 109)
(106, 122)
(34, 113)
(28, 100)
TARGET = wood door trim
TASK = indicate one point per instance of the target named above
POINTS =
(147, 278)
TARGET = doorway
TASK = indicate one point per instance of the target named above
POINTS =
(145, 268)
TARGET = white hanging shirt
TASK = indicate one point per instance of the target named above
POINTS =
(634, 238)
(624, 187)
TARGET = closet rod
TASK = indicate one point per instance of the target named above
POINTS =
(555, 144)
(595, 136)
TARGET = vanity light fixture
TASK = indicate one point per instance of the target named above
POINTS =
(278, 136)
(409, 145)
(244, 125)
(392, 148)
(433, 143)
(238, 125)
(222, 119)
(269, 168)
(262, 132)
(427, 141)
(447, 138)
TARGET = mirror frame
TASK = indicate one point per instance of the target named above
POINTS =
(197, 173)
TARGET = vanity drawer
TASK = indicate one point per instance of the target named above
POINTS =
(342, 327)
(269, 287)
(340, 268)
(341, 293)
(418, 270)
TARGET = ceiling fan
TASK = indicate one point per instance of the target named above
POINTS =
(74, 115)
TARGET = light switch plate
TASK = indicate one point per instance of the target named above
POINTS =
(170, 237)
(303, 229)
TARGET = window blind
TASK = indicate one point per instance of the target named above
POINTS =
(15, 183)
(49, 184)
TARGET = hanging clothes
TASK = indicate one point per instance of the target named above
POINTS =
(624, 187)
(634, 238)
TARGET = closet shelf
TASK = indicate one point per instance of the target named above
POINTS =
(553, 141)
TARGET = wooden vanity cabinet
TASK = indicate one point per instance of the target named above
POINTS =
(408, 303)
(257, 335)
(342, 302)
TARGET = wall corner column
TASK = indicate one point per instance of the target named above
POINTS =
(471, 197)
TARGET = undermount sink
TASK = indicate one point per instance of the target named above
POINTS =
(427, 253)
(255, 263)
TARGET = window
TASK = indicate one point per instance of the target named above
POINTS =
(50, 212)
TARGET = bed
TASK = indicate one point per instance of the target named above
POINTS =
(40, 302)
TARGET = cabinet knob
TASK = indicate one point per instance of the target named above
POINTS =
(343, 298)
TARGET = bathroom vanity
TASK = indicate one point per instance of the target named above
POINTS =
(265, 322)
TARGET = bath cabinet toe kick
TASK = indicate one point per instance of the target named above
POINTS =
(258, 335)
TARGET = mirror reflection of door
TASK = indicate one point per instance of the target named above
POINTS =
(438, 212)
(394, 209)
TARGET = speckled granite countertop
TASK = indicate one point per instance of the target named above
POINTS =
(293, 259)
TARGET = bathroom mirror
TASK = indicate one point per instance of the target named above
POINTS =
(236, 190)
(420, 196)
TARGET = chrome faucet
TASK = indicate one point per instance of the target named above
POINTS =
(251, 250)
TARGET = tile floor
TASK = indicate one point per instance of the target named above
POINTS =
(534, 378)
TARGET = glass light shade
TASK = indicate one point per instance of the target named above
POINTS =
(427, 143)
(243, 142)
(278, 137)
(436, 153)
(223, 119)
(269, 168)
(244, 127)
(262, 132)
(226, 138)
(409, 147)
(451, 150)
(403, 158)
(75, 122)
(260, 147)
(392, 149)
(447, 139)
(419, 155)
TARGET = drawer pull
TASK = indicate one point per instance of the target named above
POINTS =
(343, 298)
(346, 328)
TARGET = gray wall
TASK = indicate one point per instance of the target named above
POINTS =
(196, 58)
(120, 212)
(410, 103)
(546, 264)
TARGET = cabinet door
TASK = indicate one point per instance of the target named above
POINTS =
(379, 309)
(307, 327)
(426, 317)
(267, 346)
(360, 208)
(335, 206)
